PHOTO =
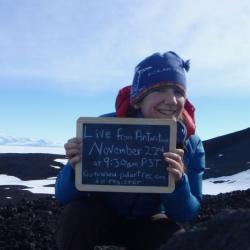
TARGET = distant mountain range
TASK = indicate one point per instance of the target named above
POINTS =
(23, 141)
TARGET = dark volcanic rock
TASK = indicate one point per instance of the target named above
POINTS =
(32, 224)
(223, 223)
(214, 204)
(227, 230)
(31, 166)
(29, 225)
(15, 194)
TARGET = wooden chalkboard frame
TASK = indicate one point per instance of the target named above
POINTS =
(122, 188)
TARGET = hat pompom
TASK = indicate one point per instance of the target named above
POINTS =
(186, 65)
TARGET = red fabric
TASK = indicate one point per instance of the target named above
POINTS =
(122, 103)
(123, 106)
(188, 118)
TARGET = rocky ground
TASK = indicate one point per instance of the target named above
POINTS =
(31, 224)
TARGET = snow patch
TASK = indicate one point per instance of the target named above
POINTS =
(56, 167)
(34, 186)
(225, 184)
(211, 186)
(63, 161)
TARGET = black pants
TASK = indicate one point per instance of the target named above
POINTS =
(87, 223)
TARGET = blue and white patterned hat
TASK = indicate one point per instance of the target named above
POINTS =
(157, 70)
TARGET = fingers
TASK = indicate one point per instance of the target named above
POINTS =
(176, 169)
(72, 143)
(74, 160)
(179, 152)
(173, 156)
(175, 166)
(73, 150)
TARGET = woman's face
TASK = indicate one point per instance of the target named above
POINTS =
(163, 102)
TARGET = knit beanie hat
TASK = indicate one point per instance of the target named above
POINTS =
(157, 70)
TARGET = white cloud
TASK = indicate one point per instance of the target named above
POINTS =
(78, 45)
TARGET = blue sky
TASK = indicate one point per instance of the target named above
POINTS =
(60, 60)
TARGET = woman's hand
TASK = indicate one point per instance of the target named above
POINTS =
(73, 150)
(176, 165)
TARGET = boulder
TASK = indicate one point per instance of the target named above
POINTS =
(230, 230)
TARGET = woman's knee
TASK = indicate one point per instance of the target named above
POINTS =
(80, 210)
(86, 211)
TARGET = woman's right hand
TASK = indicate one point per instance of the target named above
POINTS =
(73, 150)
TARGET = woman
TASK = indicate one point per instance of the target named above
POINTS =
(139, 220)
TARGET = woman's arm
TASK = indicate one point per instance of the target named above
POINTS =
(65, 190)
(184, 203)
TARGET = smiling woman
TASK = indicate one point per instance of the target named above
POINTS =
(128, 219)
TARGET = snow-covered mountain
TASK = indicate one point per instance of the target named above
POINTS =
(24, 141)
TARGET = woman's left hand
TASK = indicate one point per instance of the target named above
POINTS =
(176, 165)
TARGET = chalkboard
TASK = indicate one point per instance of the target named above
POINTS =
(125, 154)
